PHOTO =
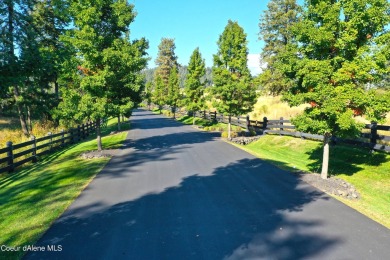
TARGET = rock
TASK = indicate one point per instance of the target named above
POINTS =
(341, 193)
(97, 154)
(354, 195)
(244, 140)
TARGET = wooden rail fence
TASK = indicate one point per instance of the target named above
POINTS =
(19, 154)
(370, 139)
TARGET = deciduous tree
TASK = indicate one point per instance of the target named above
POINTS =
(344, 47)
(110, 65)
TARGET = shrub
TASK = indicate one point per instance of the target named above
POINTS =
(252, 132)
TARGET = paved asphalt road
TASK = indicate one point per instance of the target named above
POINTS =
(174, 192)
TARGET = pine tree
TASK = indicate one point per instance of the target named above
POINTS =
(233, 91)
(30, 62)
(159, 93)
(166, 59)
(50, 19)
(275, 29)
(194, 84)
(344, 47)
(173, 90)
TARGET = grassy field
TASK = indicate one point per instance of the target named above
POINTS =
(368, 172)
(33, 197)
(10, 130)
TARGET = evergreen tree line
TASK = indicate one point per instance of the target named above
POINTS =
(230, 88)
(183, 71)
(69, 61)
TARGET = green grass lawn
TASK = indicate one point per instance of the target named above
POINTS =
(34, 196)
(368, 172)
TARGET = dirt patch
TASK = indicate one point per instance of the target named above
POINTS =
(331, 185)
(98, 154)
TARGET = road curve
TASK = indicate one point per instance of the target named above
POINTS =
(174, 192)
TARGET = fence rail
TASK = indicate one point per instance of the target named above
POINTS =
(15, 154)
(285, 127)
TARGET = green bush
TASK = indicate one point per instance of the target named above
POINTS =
(252, 132)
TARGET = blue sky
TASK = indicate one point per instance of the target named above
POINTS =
(196, 24)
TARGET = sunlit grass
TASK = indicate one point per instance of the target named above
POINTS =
(10, 130)
(33, 197)
(368, 172)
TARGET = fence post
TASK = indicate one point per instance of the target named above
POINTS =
(374, 134)
(83, 131)
(51, 140)
(281, 125)
(248, 123)
(34, 149)
(204, 114)
(62, 137)
(78, 133)
(215, 116)
(10, 156)
(74, 136)
(265, 122)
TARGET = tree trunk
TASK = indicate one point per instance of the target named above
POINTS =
(12, 63)
(22, 119)
(174, 112)
(119, 122)
(98, 136)
(325, 157)
(56, 92)
(229, 127)
(29, 118)
(22, 116)
(193, 118)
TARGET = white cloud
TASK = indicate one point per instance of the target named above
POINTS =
(254, 64)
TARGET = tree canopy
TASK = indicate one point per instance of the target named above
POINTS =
(194, 84)
(233, 91)
(109, 67)
(343, 52)
(276, 30)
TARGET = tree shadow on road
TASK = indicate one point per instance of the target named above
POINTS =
(157, 148)
(345, 159)
(234, 212)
